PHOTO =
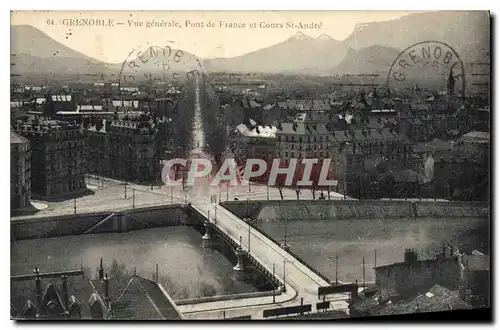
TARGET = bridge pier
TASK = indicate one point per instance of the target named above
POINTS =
(239, 269)
(207, 238)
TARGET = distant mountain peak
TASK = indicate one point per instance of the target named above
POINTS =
(324, 37)
(300, 36)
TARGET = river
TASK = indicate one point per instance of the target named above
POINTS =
(320, 242)
(189, 269)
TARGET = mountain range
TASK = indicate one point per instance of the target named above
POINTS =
(370, 48)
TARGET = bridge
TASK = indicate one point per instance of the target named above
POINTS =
(300, 283)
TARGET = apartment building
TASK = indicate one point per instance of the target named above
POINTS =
(20, 171)
(58, 156)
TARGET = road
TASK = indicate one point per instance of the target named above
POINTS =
(299, 279)
(297, 276)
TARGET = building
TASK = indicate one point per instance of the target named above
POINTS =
(475, 143)
(416, 128)
(58, 157)
(316, 110)
(302, 140)
(356, 152)
(255, 141)
(475, 270)
(20, 171)
(450, 281)
(436, 299)
(59, 103)
(77, 295)
(411, 275)
(348, 167)
(374, 143)
(469, 275)
(126, 149)
(123, 106)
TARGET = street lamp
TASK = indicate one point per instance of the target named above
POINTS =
(336, 269)
(284, 275)
(274, 291)
(247, 208)
(285, 234)
(133, 198)
(249, 231)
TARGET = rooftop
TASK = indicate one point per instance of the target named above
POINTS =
(304, 105)
(436, 299)
(477, 137)
(257, 130)
(366, 135)
(132, 298)
(61, 98)
(302, 129)
(17, 139)
(476, 262)
(434, 145)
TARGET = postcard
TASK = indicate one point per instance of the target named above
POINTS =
(259, 165)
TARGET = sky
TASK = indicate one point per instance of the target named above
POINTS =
(113, 43)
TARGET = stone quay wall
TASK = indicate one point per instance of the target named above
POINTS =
(99, 222)
(348, 209)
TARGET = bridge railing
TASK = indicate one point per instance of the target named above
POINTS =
(251, 259)
(234, 244)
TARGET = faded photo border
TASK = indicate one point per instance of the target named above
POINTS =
(213, 5)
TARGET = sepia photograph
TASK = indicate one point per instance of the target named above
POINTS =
(250, 165)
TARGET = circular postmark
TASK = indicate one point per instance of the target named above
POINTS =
(432, 62)
(159, 65)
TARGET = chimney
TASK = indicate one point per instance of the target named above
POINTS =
(101, 271)
(410, 255)
(65, 297)
(107, 299)
(38, 286)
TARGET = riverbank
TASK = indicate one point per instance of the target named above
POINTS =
(352, 209)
